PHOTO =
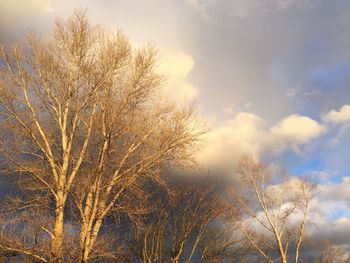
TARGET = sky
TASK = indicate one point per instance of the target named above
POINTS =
(271, 78)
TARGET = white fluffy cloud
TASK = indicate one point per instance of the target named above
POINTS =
(337, 191)
(242, 135)
(298, 128)
(330, 212)
(176, 66)
(338, 117)
(247, 133)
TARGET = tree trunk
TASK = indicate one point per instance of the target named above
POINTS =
(90, 240)
(281, 249)
(58, 231)
(284, 258)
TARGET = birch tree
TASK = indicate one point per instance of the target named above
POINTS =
(130, 153)
(81, 122)
(276, 210)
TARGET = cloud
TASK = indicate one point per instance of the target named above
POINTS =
(248, 133)
(242, 135)
(176, 66)
(338, 117)
(209, 9)
(291, 92)
(337, 191)
(16, 14)
(321, 176)
(232, 108)
(298, 129)
(330, 212)
(28, 5)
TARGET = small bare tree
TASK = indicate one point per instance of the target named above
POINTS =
(331, 253)
(81, 122)
(276, 211)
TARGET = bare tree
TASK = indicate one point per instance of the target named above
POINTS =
(81, 122)
(276, 211)
(188, 226)
(153, 141)
(331, 253)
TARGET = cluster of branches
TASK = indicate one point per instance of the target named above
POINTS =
(81, 124)
(88, 147)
